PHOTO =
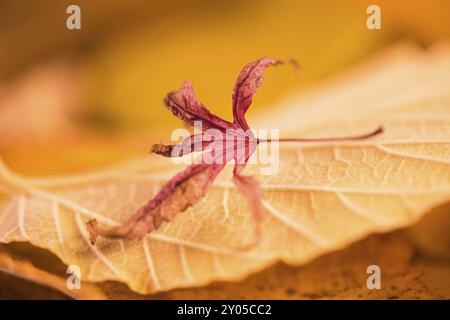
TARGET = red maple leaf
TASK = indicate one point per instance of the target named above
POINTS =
(221, 141)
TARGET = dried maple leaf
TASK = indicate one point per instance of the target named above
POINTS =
(187, 187)
(237, 142)
(325, 195)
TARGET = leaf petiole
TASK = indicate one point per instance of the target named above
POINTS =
(378, 131)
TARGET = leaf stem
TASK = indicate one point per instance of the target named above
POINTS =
(378, 131)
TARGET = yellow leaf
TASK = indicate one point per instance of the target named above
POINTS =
(325, 195)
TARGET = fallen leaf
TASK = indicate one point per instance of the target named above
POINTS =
(338, 275)
(13, 288)
(27, 271)
(324, 196)
(432, 235)
(436, 275)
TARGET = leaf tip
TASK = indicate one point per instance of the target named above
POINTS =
(379, 130)
(162, 149)
(92, 229)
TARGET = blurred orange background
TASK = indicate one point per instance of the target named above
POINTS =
(74, 99)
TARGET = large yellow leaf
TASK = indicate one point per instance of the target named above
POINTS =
(324, 196)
